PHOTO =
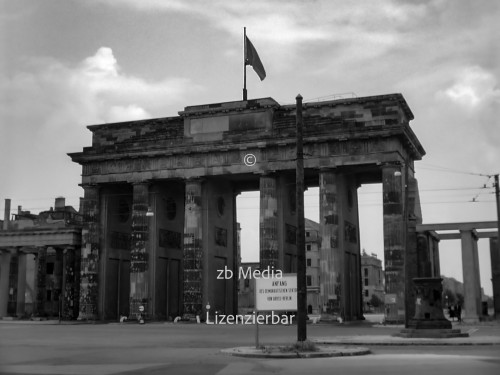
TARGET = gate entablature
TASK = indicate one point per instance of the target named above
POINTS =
(210, 140)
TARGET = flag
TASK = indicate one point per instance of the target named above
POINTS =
(252, 58)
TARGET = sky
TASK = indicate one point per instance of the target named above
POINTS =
(67, 64)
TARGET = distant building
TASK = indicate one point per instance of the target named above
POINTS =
(40, 262)
(246, 289)
(372, 277)
(313, 245)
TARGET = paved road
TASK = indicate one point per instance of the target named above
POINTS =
(195, 349)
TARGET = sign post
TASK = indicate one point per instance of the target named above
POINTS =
(274, 294)
(256, 330)
(301, 239)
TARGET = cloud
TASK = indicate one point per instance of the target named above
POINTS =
(341, 37)
(94, 91)
(292, 24)
(474, 87)
(102, 64)
(46, 103)
(126, 113)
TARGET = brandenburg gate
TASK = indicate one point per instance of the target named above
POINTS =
(160, 203)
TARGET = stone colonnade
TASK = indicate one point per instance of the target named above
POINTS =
(25, 293)
(79, 272)
(340, 287)
(468, 236)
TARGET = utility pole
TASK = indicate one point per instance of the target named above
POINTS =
(244, 63)
(494, 267)
(497, 195)
(301, 237)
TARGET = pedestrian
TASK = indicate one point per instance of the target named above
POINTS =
(458, 309)
(451, 311)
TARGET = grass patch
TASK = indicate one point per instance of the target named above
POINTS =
(297, 347)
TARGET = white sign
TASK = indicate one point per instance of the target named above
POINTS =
(141, 308)
(390, 298)
(276, 294)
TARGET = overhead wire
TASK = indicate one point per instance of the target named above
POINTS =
(421, 166)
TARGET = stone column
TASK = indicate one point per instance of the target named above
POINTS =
(40, 282)
(471, 311)
(269, 247)
(477, 274)
(77, 279)
(139, 255)
(495, 275)
(412, 242)
(394, 243)
(58, 284)
(89, 271)
(331, 254)
(70, 285)
(5, 257)
(193, 250)
(21, 283)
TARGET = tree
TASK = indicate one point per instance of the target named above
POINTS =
(375, 301)
(449, 297)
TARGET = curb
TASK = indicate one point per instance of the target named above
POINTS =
(325, 352)
(406, 342)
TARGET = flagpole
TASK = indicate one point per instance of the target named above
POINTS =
(244, 63)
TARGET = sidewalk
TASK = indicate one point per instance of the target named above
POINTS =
(362, 333)
(482, 333)
(369, 340)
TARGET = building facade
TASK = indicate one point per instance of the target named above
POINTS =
(315, 304)
(40, 262)
(372, 276)
(246, 288)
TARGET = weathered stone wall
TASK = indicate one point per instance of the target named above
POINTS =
(269, 247)
(331, 253)
(127, 133)
(193, 250)
(393, 177)
(139, 251)
(89, 271)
